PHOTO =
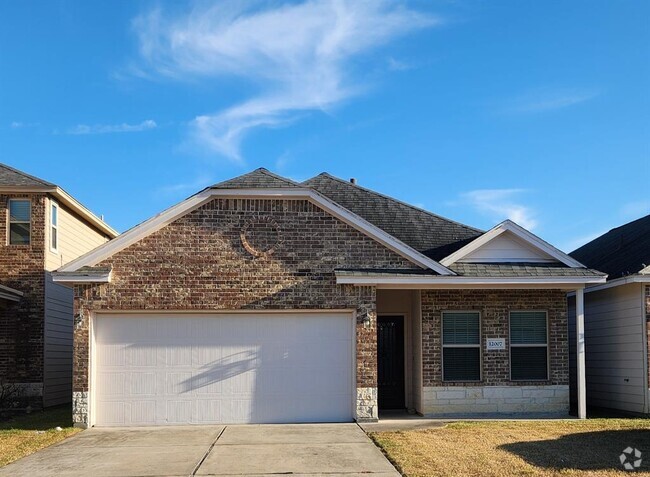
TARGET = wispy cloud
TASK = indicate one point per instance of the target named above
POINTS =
(579, 241)
(21, 124)
(398, 65)
(636, 209)
(298, 54)
(180, 188)
(501, 204)
(544, 100)
(112, 128)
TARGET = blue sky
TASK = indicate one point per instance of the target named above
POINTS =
(475, 110)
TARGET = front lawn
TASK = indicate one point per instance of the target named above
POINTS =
(515, 448)
(26, 434)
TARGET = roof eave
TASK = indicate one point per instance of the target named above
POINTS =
(469, 282)
(10, 294)
(65, 198)
(617, 282)
(80, 278)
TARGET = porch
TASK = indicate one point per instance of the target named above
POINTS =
(445, 353)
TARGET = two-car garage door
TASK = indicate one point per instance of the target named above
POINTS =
(223, 368)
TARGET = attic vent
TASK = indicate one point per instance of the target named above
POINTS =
(353, 180)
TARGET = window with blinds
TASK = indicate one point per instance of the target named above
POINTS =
(461, 346)
(20, 222)
(528, 345)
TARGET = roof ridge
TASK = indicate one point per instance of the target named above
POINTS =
(29, 176)
(264, 170)
(615, 229)
(419, 209)
(259, 170)
(645, 217)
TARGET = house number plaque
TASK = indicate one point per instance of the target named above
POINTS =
(496, 344)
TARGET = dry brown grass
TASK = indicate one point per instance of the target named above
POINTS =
(22, 436)
(519, 448)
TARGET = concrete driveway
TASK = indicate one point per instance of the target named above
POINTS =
(300, 449)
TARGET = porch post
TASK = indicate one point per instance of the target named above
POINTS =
(580, 354)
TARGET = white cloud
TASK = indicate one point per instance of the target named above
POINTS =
(398, 65)
(298, 55)
(21, 124)
(113, 128)
(635, 210)
(577, 242)
(201, 182)
(543, 100)
(500, 204)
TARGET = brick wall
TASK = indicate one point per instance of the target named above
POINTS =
(21, 324)
(494, 306)
(234, 254)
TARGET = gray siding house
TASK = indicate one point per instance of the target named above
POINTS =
(617, 320)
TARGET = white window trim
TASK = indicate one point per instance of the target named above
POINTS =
(443, 346)
(19, 222)
(54, 205)
(529, 345)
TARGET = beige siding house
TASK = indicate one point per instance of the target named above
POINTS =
(43, 228)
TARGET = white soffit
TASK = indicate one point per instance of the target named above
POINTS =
(173, 213)
(509, 242)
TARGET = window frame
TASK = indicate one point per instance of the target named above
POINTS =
(529, 345)
(443, 346)
(10, 221)
(53, 226)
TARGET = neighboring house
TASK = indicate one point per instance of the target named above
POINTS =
(617, 319)
(42, 228)
(261, 299)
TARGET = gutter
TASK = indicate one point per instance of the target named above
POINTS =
(467, 282)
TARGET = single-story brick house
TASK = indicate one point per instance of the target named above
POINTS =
(261, 299)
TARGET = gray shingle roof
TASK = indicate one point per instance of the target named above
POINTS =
(15, 178)
(521, 270)
(388, 272)
(257, 179)
(427, 233)
(622, 251)
(490, 270)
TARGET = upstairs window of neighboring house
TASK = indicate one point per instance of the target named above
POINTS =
(54, 227)
(20, 222)
(528, 346)
(461, 346)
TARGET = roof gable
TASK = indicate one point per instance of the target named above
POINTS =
(622, 251)
(257, 179)
(510, 248)
(11, 177)
(430, 234)
(238, 188)
(509, 243)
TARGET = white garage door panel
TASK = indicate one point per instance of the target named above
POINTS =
(156, 370)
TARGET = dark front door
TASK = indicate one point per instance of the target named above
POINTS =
(390, 362)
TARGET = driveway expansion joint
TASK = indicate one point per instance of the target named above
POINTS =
(207, 453)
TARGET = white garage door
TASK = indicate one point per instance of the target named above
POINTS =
(237, 368)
